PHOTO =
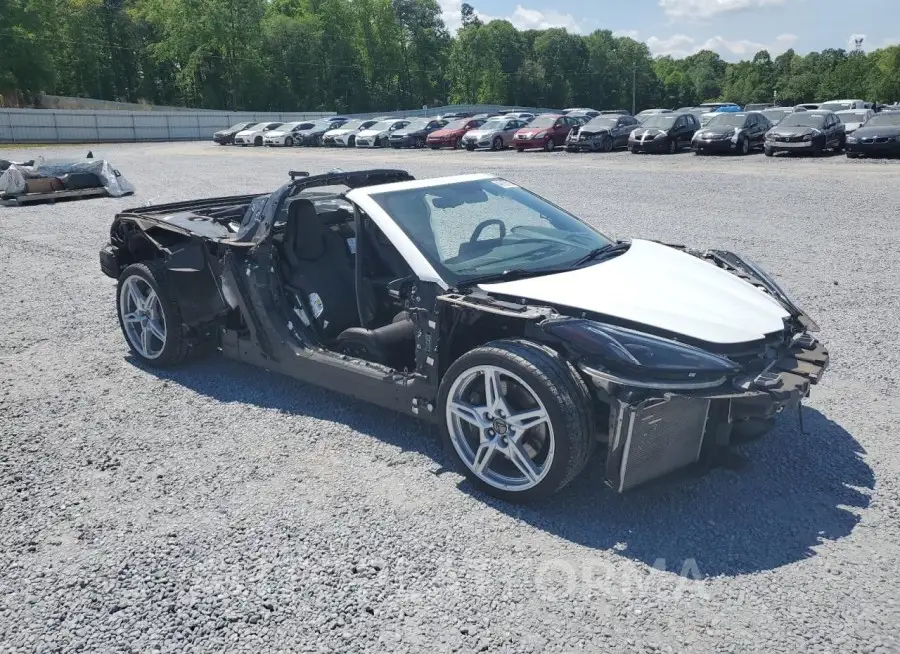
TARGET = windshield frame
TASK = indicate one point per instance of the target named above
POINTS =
(725, 118)
(836, 106)
(660, 121)
(429, 268)
(878, 120)
(801, 115)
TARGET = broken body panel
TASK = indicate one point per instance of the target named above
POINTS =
(225, 269)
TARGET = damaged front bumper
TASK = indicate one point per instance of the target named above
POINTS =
(654, 433)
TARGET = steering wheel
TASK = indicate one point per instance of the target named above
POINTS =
(488, 223)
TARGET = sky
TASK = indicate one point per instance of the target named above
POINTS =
(736, 29)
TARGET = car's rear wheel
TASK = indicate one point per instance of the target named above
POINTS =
(497, 144)
(517, 419)
(673, 146)
(840, 146)
(289, 142)
(149, 316)
(258, 141)
(745, 146)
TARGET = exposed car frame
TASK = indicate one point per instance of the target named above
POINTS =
(210, 271)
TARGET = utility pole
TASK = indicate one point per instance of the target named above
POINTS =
(633, 87)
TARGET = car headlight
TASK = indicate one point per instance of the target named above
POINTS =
(632, 134)
(661, 135)
(631, 358)
(851, 139)
(541, 135)
(807, 137)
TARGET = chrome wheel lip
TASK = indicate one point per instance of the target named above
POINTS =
(508, 443)
(143, 320)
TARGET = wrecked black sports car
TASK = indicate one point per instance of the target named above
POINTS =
(526, 335)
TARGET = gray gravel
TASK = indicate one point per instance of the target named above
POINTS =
(218, 507)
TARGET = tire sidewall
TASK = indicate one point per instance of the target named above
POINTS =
(498, 144)
(173, 351)
(562, 446)
(289, 142)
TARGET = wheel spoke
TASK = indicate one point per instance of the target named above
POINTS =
(527, 419)
(131, 317)
(145, 341)
(493, 392)
(154, 328)
(519, 457)
(135, 296)
(150, 300)
(471, 414)
(483, 456)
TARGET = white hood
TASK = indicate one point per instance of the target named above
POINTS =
(370, 133)
(659, 286)
(275, 134)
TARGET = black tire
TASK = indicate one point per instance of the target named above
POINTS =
(607, 145)
(497, 144)
(840, 146)
(420, 143)
(744, 146)
(769, 152)
(435, 147)
(853, 155)
(258, 141)
(459, 144)
(351, 141)
(550, 145)
(470, 147)
(288, 142)
(176, 347)
(673, 146)
(562, 392)
(520, 150)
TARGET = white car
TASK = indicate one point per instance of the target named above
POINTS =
(378, 135)
(853, 119)
(345, 135)
(844, 105)
(255, 135)
(284, 135)
(529, 338)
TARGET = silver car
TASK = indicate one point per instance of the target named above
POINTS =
(496, 134)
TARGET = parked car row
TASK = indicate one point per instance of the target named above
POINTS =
(856, 130)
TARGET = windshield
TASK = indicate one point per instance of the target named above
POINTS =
(383, 126)
(287, 127)
(879, 120)
(777, 114)
(353, 124)
(836, 106)
(458, 124)
(803, 119)
(418, 123)
(485, 227)
(543, 121)
(727, 120)
(240, 126)
(853, 117)
(495, 125)
(602, 122)
(659, 121)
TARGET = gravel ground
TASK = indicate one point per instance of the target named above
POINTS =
(217, 507)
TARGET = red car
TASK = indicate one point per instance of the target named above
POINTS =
(451, 135)
(546, 131)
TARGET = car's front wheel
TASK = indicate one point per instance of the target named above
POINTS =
(744, 145)
(517, 419)
(149, 316)
(289, 142)
(258, 141)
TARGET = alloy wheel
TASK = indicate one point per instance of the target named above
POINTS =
(500, 428)
(498, 143)
(142, 317)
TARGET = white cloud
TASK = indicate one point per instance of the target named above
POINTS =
(522, 18)
(535, 19)
(701, 9)
(631, 34)
(681, 45)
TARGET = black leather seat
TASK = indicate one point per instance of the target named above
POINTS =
(391, 345)
(317, 262)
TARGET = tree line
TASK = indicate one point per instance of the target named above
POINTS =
(372, 55)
